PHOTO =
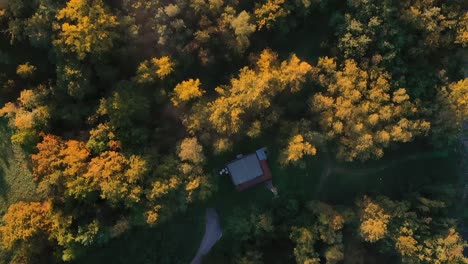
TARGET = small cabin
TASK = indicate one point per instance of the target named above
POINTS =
(249, 170)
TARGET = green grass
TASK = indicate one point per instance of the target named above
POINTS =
(175, 241)
(398, 174)
(16, 182)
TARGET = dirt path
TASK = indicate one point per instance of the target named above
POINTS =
(213, 233)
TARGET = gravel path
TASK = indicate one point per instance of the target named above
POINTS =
(213, 233)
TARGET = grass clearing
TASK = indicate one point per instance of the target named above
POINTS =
(161, 244)
(16, 181)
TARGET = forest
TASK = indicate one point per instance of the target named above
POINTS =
(116, 117)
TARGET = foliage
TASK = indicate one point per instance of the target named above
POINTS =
(121, 113)
(248, 99)
(25, 70)
(359, 110)
(297, 148)
(186, 91)
(374, 221)
(269, 12)
(86, 28)
(156, 68)
(23, 221)
(28, 116)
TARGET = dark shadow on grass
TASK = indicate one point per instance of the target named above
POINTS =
(5, 144)
(4, 188)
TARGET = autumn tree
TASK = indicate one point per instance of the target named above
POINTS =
(373, 220)
(25, 70)
(28, 115)
(462, 30)
(269, 12)
(297, 148)
(450, 112)
(57, 164)
(434, 20)
(65, 169)
(102, 138)
(246, 103)
(198, 28)
(179, 182)
(157, 68)
(323, 224)
(304, 246)
(416, 228)
(24, 221)
(86, 28)
(360, 111)
(117, 178)
(387, 30)
(187, 90)
(252, 224)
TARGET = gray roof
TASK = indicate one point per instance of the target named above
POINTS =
(245, 169)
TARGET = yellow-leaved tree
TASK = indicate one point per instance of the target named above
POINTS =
(23, 221)
(156, 68)
(297, 148)
(359, 110)
(374, 220)
(186, 91)
(86, 27)
(269, 12)
(451, 112)
(27, 116)
(179, 181)
(246, 104)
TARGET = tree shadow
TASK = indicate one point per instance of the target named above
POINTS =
(4, 187)
(6, 150)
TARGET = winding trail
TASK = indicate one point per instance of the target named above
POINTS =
(213, 233)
